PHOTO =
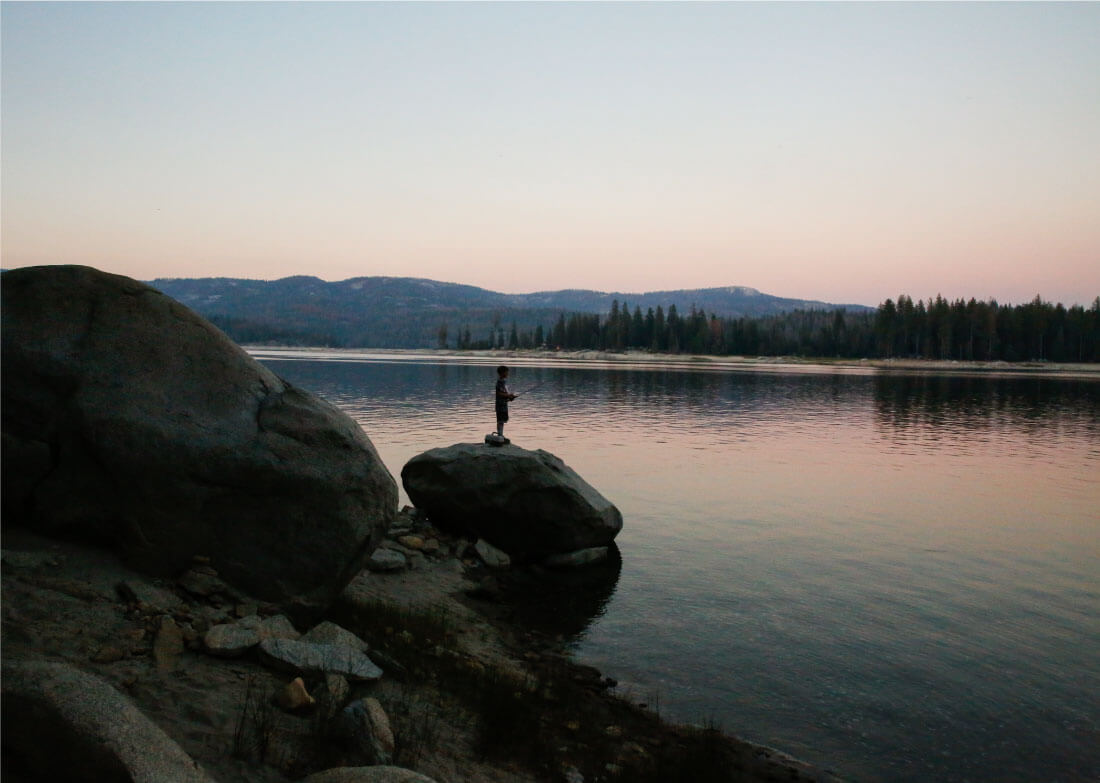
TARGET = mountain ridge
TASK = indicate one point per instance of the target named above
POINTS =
(410, 312)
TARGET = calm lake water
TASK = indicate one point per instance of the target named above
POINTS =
(894, 576)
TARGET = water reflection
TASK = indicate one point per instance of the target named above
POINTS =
(562, 604)
(984, 402)
(893, 575)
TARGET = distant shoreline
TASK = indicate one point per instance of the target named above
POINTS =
(1059, 369)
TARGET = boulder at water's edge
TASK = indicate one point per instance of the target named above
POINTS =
(528, 503)
(129, 418)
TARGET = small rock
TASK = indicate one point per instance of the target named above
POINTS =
(417, 561)
(310, 658)
(380, 774)
(134, 591)
(278, 627)
(578, 558)
(412, 542)
(253, 623)
(331, 633)
(110, 654)
(168, 645)
(28, 560)
(245, 610)
(230, 640)
(383, 560)
(488, 589)
(367, 725)
(613, 731)
(491, 556)
(431, 547)
(294, 697)
(202, 584)
(337, 691)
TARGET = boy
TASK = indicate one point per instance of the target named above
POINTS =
(502, 398)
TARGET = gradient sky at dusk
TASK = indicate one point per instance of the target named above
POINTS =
(839, 151)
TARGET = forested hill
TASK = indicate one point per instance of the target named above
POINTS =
(403, 312)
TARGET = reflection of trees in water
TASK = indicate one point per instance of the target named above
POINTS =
(983, 402)
(562, 603)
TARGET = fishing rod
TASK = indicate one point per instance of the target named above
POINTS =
(536, 386)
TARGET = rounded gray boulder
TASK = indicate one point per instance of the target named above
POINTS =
(528, 503)
(127, 417)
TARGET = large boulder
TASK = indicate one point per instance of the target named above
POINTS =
(528, 503)
(61, 723)
(129, 418)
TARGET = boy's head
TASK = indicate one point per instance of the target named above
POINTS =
(502, 371)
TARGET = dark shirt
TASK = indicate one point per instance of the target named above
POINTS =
(502, 400)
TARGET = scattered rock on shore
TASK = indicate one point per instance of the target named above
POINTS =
(311, 658)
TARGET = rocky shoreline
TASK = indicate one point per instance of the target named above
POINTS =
(441, 626)
(206, 577)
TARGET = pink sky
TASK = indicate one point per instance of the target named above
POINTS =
(844, 152)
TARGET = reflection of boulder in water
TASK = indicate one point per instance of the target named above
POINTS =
(562, 603)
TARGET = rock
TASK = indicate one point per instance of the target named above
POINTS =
(168, 645)
(490, 555)
(230, 640)
(578, 559)
(412, 542)
(527, 503)
(336, 693)
(29, 561)
(110, 654)
(294, 697)
(277, 627)
(310, 658)
(135, 591)
(128, 418)
(65, 724)
(203, 584)
(367, 775)
(331, 633)
(366, 724)
(382, 560)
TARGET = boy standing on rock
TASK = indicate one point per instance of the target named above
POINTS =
(502, 398)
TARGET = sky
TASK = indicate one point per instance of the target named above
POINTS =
(845, 152)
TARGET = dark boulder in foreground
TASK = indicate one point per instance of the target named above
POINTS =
(61, 723)
(128, 417)
(528, 503)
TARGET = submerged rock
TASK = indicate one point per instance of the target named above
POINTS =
(578, 559)
(129, 418)
(528, 503)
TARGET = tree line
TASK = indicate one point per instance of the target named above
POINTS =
(936, 329)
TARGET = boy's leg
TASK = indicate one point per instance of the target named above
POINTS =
(500, 428)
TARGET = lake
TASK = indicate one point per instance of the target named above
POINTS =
(892, 575)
